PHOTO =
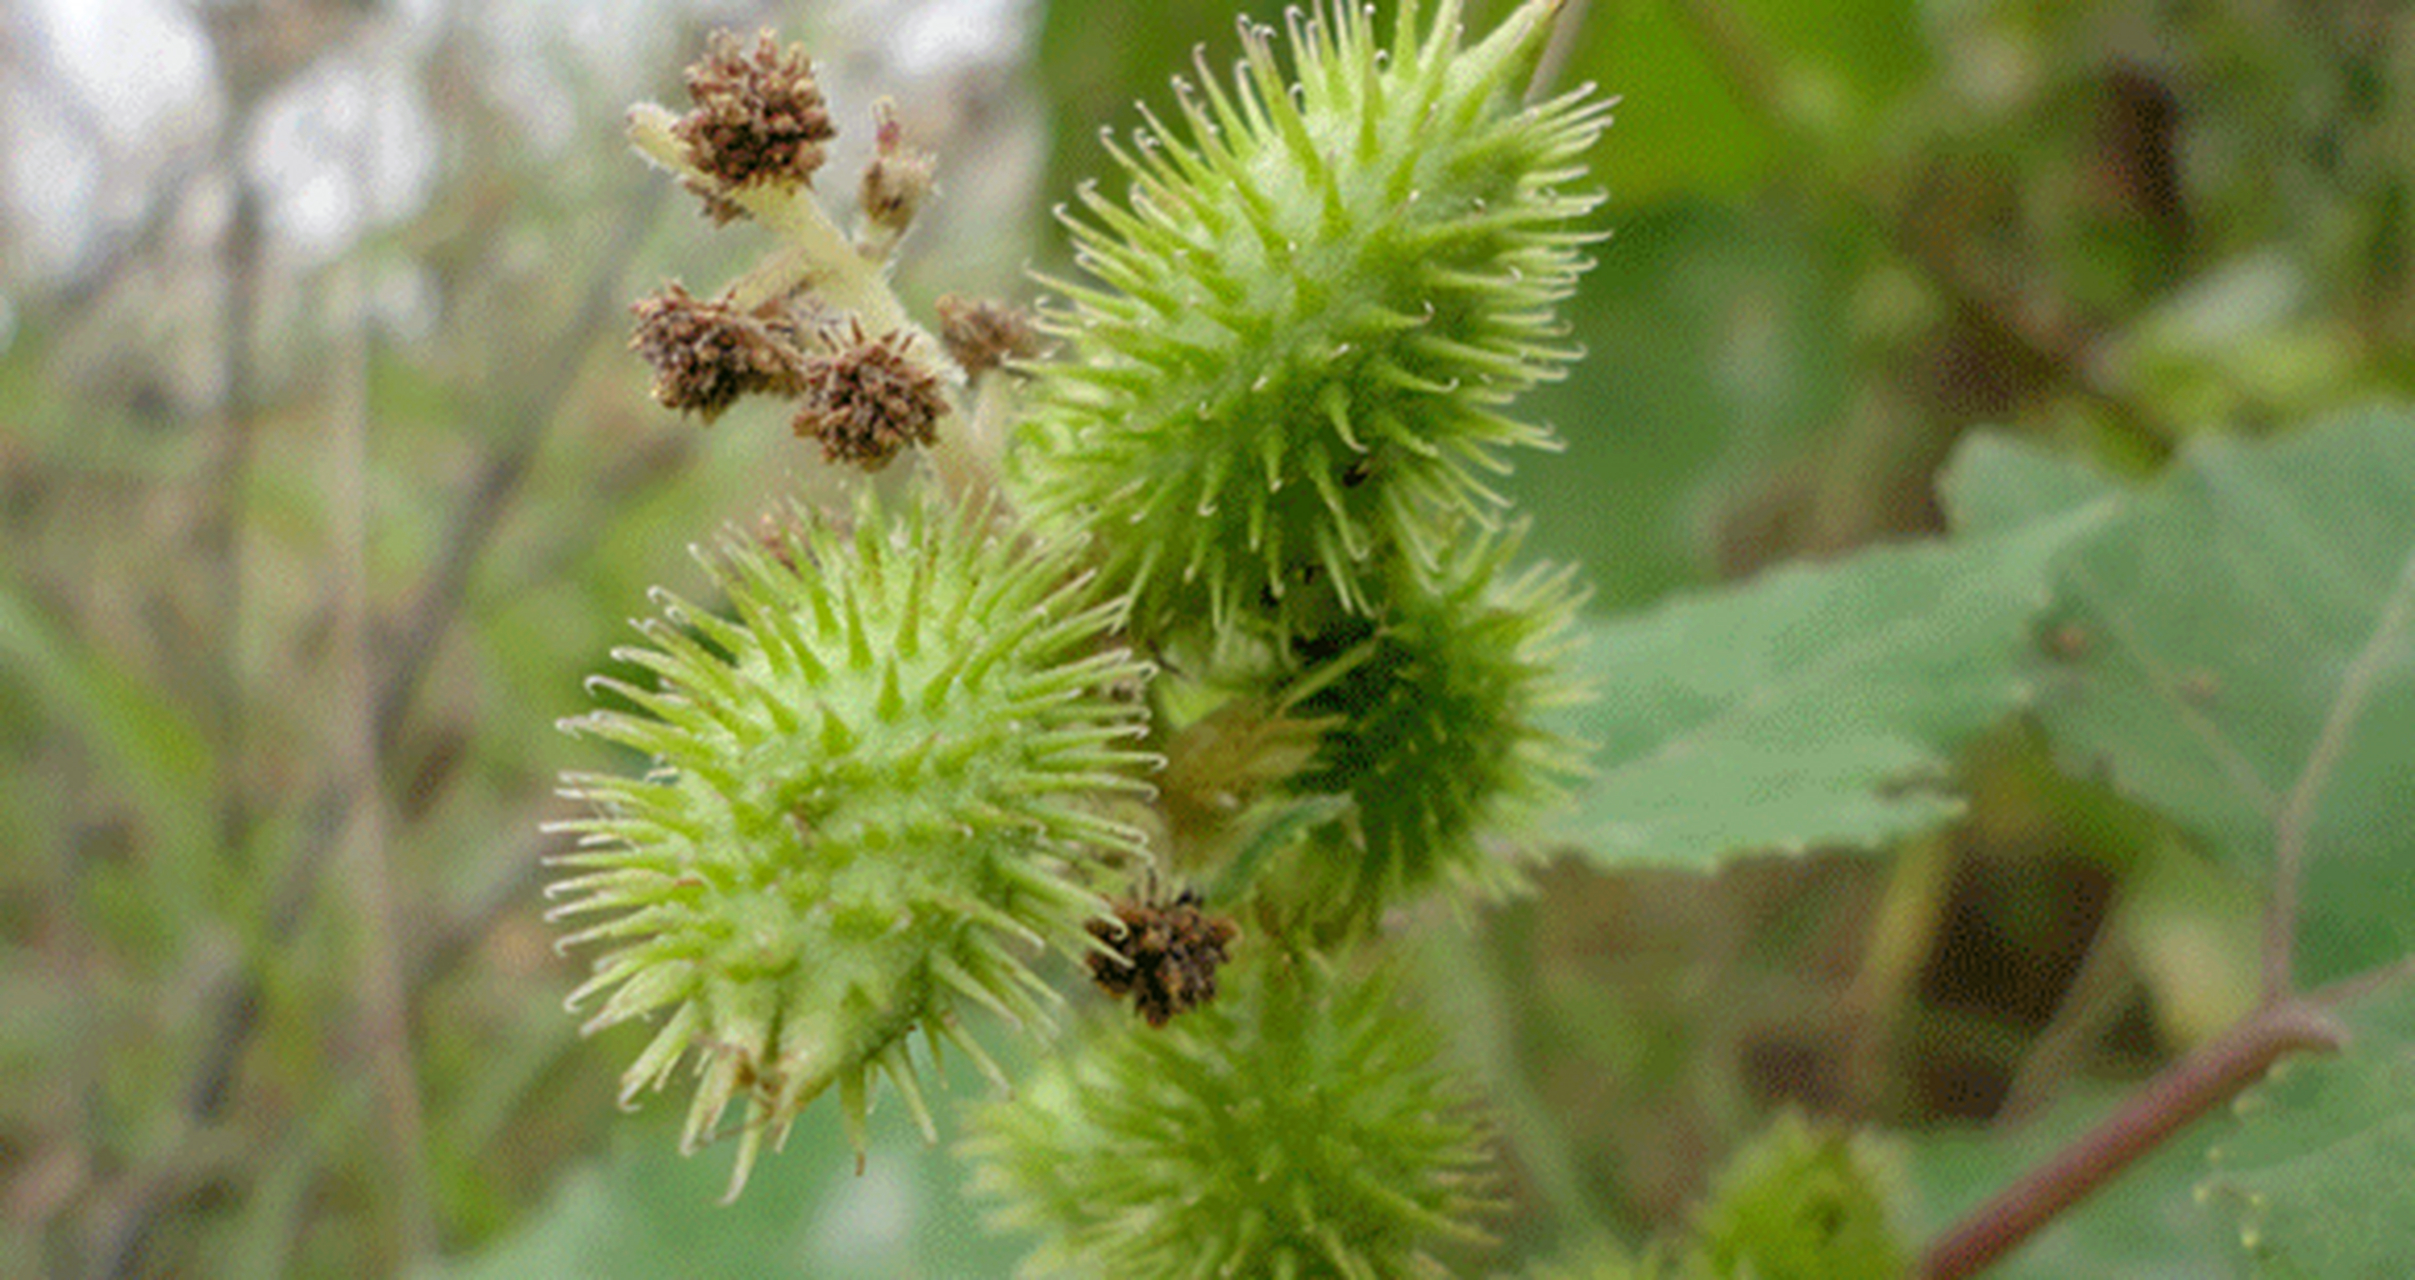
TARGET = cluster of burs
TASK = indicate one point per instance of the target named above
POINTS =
(1187, 649)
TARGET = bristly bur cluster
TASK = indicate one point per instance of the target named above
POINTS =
(1199, 577)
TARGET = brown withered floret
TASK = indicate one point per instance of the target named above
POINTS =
(706, 352)
(759, 118)
(898, 179)
(1166, 955)
(867, 400)
(983, 335)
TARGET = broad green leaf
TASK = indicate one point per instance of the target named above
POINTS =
(2314, 1174)
(1813, 706)
(1094, 59)
(2243, 633)
(1689, 124)
(1998, 484)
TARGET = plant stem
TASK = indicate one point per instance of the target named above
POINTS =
(219, 541)
(366, 851)
(527, 415)
(2217, 1072)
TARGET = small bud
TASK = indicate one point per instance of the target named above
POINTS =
(707, 353)
(868, 399)
(1165, 955)
(759, 118)
(896, 182)
(983, 335)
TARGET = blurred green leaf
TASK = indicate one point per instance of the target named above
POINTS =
(2313, 1173)
(1814, 706)
(1097, 58)
(646, 1211)
(1999, 484)
(2210, 639)
(155, 751)
(1712, 96)
(1680, 129)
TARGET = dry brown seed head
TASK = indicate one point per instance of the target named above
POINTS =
(759, 118)
(868, 399)
(706, 352)
(983, 335)
(1165, 956)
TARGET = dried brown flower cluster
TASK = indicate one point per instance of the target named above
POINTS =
(983, 335)
(867, 400)
(706, 352)
(1166, 955)
(759, 118)
(752, 144)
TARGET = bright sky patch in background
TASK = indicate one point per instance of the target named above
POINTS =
(104, 99)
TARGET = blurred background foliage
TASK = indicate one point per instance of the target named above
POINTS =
(315, 523)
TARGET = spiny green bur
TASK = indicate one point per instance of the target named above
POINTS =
(869, 784)
(1302, 1126)
(1319, 297)
(1437, 739)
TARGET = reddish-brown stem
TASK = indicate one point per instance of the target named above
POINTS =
(2190, 1088)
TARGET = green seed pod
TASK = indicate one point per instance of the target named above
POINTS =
(1437, 737)
(1315, 306)
(873, 790)
(1297, 1127)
